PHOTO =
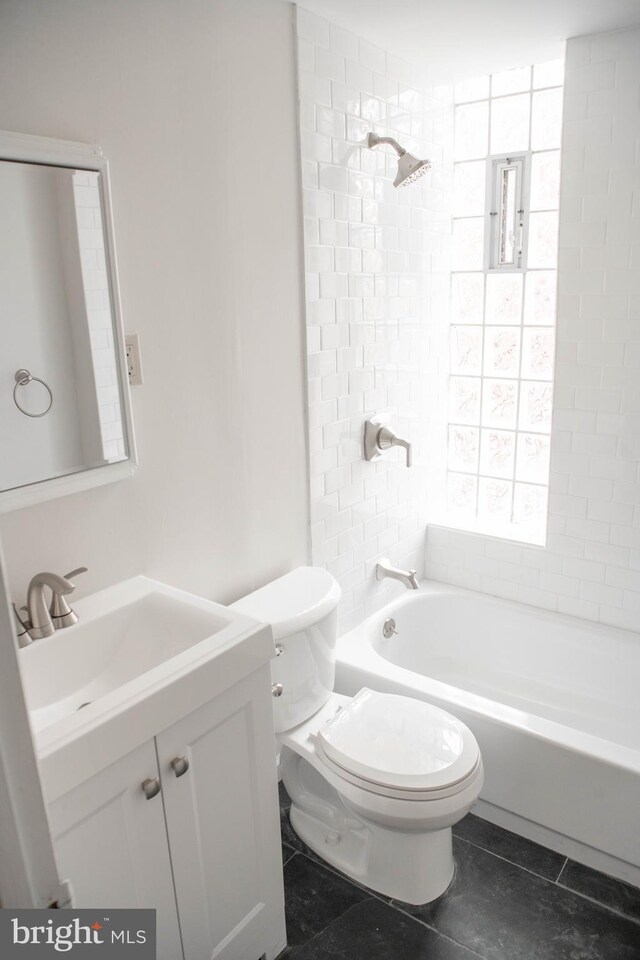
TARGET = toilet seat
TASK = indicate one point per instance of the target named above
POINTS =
(398, 747)
(390, 793)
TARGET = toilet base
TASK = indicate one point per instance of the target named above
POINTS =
(414, 866)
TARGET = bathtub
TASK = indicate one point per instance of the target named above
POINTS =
(553, 701)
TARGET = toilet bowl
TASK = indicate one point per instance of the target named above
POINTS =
(377, 780)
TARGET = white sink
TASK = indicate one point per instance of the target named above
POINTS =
(133, 664)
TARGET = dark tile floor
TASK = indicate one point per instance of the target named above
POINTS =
(511, 899)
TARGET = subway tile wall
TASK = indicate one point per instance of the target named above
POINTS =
(377, 262)
(591, 564)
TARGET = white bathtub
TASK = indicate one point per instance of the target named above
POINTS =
(554, 703)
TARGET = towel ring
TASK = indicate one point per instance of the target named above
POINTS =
(23, 377)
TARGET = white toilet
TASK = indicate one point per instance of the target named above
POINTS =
(376, 780)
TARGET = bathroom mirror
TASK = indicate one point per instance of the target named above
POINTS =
(65, 418)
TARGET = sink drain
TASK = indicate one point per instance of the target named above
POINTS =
(86, 704)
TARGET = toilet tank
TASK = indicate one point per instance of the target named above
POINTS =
(301, 608)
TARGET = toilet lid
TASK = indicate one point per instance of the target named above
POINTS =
(399, 742)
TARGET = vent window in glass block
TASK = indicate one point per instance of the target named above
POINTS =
(507, 213)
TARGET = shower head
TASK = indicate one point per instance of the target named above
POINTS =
(409, 167)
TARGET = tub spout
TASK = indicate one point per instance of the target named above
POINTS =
(384, 571)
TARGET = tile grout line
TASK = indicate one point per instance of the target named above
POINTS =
(506, 860)
(599, 903)
(562, 868)
(444, 936)
(320, 933)
(292, 852)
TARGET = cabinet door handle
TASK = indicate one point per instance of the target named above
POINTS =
(151, 787)
(179, 765)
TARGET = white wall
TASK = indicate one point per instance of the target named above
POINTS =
(591, 564)
(376, 290)
(194, 105)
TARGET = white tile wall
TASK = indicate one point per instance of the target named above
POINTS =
(591, 564)
(376, 288)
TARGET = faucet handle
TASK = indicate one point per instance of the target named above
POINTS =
(22, 629)
(61, 613)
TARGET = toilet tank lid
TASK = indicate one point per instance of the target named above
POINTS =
(292, 602)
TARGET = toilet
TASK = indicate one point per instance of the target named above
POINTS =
(377, 780)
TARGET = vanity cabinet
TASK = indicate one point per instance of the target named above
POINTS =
(205, 850)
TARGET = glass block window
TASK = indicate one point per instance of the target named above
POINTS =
(503, 300)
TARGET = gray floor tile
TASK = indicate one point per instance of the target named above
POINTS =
(372, 930)
(613, 893)
(505, 913)
(525, 853)
(314, 898)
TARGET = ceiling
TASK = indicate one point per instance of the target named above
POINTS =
(450, 40)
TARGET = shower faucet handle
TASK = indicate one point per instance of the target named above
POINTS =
(378, 438)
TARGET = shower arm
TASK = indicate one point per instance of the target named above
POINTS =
(373, 140)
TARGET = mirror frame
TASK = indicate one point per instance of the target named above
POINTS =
(77, 156)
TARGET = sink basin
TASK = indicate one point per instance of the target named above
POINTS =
(78, 665)
(141, 655)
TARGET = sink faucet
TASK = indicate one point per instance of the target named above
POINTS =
(43, 622)
(384, 570)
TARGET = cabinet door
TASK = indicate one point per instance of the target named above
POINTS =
(111, 843)
(223, 825)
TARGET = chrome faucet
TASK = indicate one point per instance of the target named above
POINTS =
(385, 571)
(42, 621)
